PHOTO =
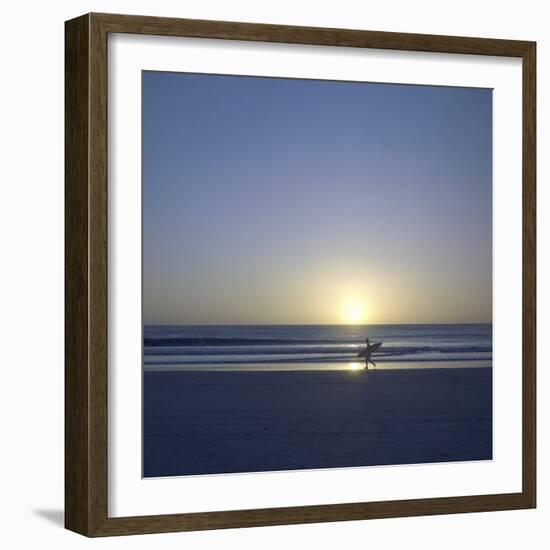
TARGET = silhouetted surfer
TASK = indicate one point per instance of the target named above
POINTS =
(368, 351)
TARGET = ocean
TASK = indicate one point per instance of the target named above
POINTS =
(315, 347)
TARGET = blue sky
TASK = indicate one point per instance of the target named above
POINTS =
(271, 200)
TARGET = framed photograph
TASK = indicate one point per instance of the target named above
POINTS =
(300, 275)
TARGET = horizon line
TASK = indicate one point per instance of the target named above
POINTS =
(312, 324)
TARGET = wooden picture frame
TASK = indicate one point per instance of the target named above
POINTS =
(86, 363)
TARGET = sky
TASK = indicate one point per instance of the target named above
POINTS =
(291, 201)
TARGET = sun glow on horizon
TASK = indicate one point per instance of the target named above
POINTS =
(354, 313)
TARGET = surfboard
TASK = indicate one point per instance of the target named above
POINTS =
(372, 348)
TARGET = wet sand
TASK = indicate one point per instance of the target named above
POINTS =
(221, 422)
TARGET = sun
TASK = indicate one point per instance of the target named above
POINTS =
(354, 314)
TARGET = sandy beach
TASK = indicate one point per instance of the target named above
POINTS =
(221, 422)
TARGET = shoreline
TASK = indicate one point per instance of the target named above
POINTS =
(318, 367)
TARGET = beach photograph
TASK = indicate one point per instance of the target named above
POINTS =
(317, 274)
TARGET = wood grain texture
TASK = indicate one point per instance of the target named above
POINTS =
(98, 284)
(86, 257)
(77, 459)
(529, 275)
(308, 35)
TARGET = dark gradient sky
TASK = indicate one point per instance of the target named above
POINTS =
(300, 201)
